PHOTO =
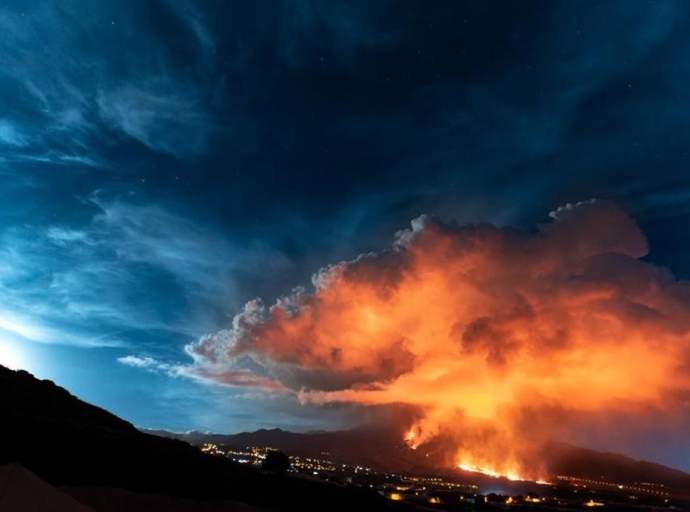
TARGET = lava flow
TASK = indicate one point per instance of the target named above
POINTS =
(489, 472)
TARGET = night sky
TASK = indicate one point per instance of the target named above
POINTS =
(164, 162)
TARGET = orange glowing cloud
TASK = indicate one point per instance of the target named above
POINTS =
(471, 323)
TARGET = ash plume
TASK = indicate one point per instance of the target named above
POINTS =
(485, 331)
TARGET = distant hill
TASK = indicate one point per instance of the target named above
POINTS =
(365, 447)
(571, 460)
(384, 451)
(70, 443)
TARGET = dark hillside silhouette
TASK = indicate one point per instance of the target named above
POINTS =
(70, 443)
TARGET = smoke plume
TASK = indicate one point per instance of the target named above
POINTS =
(484, 330)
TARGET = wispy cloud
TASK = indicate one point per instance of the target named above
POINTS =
(129, 268)
(159, 116)
(139, 362)
(10, 135)
(63, 80)
(206, 374)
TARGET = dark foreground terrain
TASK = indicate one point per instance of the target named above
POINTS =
(72, 444)
(55, 440)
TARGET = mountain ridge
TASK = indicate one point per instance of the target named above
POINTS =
(381, 450)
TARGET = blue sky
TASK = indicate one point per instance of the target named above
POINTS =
(164, 162)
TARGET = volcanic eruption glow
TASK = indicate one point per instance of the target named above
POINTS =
(495, 337)
(411, 439)
(489, 472)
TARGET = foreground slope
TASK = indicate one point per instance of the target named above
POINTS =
(23, 491)
(70, 443)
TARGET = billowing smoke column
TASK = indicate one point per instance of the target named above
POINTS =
(479, 328)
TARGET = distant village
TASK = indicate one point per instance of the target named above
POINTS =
(444, 492)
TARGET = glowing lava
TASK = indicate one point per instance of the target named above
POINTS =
(411, 439)
(490, 472)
